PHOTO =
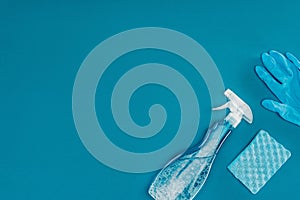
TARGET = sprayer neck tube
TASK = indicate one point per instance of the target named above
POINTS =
(234, 119)
(214, 138)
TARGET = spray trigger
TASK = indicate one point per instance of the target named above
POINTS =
(238, 109)
(222, 107)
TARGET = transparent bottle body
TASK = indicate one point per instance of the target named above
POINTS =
(184, 177)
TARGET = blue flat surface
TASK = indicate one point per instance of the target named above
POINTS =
(42, 45)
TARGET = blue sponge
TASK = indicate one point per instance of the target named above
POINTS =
(259, 161)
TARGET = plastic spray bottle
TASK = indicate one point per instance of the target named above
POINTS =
(184, 176)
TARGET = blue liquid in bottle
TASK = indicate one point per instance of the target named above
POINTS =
(182, 178)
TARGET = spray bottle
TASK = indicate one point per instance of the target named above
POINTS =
(185, 175)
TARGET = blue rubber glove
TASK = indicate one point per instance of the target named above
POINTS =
(281, 73)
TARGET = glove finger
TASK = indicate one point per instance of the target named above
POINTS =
(272, 84)
(293, 59)
(274, 68)
(282, 62)
(274, 106)
(292, 115)
(288, 113)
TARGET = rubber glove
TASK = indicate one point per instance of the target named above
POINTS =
(281, 73)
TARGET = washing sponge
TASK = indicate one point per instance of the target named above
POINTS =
(259, 161)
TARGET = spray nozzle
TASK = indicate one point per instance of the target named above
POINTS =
(238, 109)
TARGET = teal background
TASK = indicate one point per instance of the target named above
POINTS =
(42, 45)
